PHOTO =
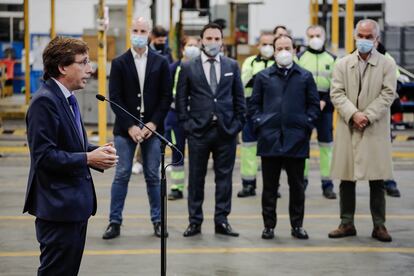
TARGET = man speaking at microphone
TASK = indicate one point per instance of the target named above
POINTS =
(60, 191)
(140, 82)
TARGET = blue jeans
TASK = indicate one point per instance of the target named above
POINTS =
(151, 158)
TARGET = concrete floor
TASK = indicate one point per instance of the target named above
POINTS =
(136, 252)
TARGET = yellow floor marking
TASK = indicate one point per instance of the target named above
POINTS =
(242, 216)
(229, 250)
(14, 150)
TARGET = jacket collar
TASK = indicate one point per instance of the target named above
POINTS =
(316, 52)
(373, 59)
(275, 70)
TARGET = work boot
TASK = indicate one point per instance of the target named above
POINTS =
(391, 188)
(344, 230)
(329, 193)
(380, 233)
(247, 191)
(175, 194)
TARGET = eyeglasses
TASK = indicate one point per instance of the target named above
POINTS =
(83, 62)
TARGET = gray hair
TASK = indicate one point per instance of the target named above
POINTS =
(373, 22)
(312, 27)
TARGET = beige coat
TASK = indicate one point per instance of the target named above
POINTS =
(363, 155)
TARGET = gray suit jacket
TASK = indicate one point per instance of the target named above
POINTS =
(196, 104)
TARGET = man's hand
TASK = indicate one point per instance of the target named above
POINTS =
(146, 133)
(136, 134)
(322, 104)
(360, 120)
(102, 158)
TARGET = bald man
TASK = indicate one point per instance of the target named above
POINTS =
(140, 82)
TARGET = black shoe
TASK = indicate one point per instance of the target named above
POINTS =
(225, 229)
(300, 233)
(393, 191)
(268, 233)
(157, 230)
(247, 191)
(192, 230)
(112, 231)
(175, 194)
(329, 193)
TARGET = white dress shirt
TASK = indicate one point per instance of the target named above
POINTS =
(65, 92)
(207, 64)
(141, 65)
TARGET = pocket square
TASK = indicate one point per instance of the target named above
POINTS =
(228, 74)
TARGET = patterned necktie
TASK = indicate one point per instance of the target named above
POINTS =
(213, 76)
(75, 108)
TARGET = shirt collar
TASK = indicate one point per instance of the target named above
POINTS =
(205, 58)
(136, 55)
(371, 54)
(64, 90)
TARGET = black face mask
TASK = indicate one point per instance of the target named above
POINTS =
(159, 47)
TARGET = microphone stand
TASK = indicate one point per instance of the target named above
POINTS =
(164, 143)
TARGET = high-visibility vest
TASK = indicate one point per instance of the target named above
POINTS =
(251, 66)
(320, 65)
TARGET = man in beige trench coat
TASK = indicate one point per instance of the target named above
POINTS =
(362, 91)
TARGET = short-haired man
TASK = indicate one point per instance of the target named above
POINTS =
(140, 82)
(60, 190)
(363, 89)
(211, 108)
(320, 63)
(284, 107)
(158, 43)
(248, 159)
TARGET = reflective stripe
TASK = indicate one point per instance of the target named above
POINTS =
(178, 168)
(249, 144)
(322, 144)
(323, 74)
(248, 177)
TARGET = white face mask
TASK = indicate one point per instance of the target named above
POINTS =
(284, 58)
(316, 43)
(191, 52)
(266, 51)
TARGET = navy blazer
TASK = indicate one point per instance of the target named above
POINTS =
(60, 186)
(284, 110)
(124, 89)
(196, 104)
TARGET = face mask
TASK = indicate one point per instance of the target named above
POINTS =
(316, 43)
(139, 41)
(159, 47)
(212, 49)
(266, 51)
(284, 58)
(364, 46)
(191, 52)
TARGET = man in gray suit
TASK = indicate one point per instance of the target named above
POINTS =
(211, 109)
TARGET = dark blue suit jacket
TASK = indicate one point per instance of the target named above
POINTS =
(124, 89)
(60, 186)
(196, 104)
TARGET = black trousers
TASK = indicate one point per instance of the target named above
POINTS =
(223, 150)
(61, 246)
(271, 167)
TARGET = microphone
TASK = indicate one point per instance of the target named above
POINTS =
(162, 138)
